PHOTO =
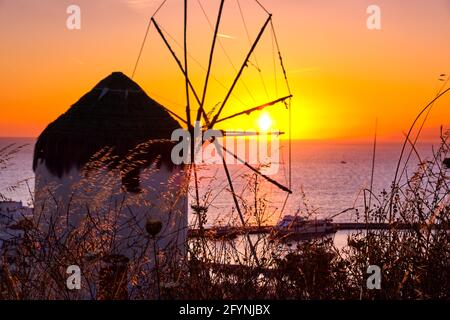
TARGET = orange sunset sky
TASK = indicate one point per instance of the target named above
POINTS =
(343, 76)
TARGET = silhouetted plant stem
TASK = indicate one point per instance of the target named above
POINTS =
(155, 255)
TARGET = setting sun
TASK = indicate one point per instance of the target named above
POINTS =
(264, 122)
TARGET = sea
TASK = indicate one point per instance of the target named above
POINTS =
(326, 178)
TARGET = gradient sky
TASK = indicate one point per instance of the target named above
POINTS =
(343, 76)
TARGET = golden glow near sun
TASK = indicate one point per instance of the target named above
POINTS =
(264, 122)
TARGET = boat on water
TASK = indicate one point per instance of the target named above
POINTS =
(297, 227)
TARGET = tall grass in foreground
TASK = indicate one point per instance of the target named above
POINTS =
(414, 262)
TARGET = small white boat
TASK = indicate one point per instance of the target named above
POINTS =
(299, 227)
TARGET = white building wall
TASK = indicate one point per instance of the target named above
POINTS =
(67, 203)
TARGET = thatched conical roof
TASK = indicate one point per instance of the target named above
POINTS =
(117, 114)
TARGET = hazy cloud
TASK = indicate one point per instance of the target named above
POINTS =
(226, 36)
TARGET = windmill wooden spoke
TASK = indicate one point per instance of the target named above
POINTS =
(193, 168)
(255, 43)
(197, 197)
(272, 181)
(224, 51)
(256, 64)
(188, 107)
(176, 116)
(180, 66)
(258, 108)
(145, 38)
(238, 208)
(211, 55)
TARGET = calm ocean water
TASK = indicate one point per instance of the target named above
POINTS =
(330, 174)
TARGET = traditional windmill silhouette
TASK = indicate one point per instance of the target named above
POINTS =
(199, 99)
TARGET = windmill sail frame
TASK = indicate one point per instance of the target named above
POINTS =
(200, 100)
